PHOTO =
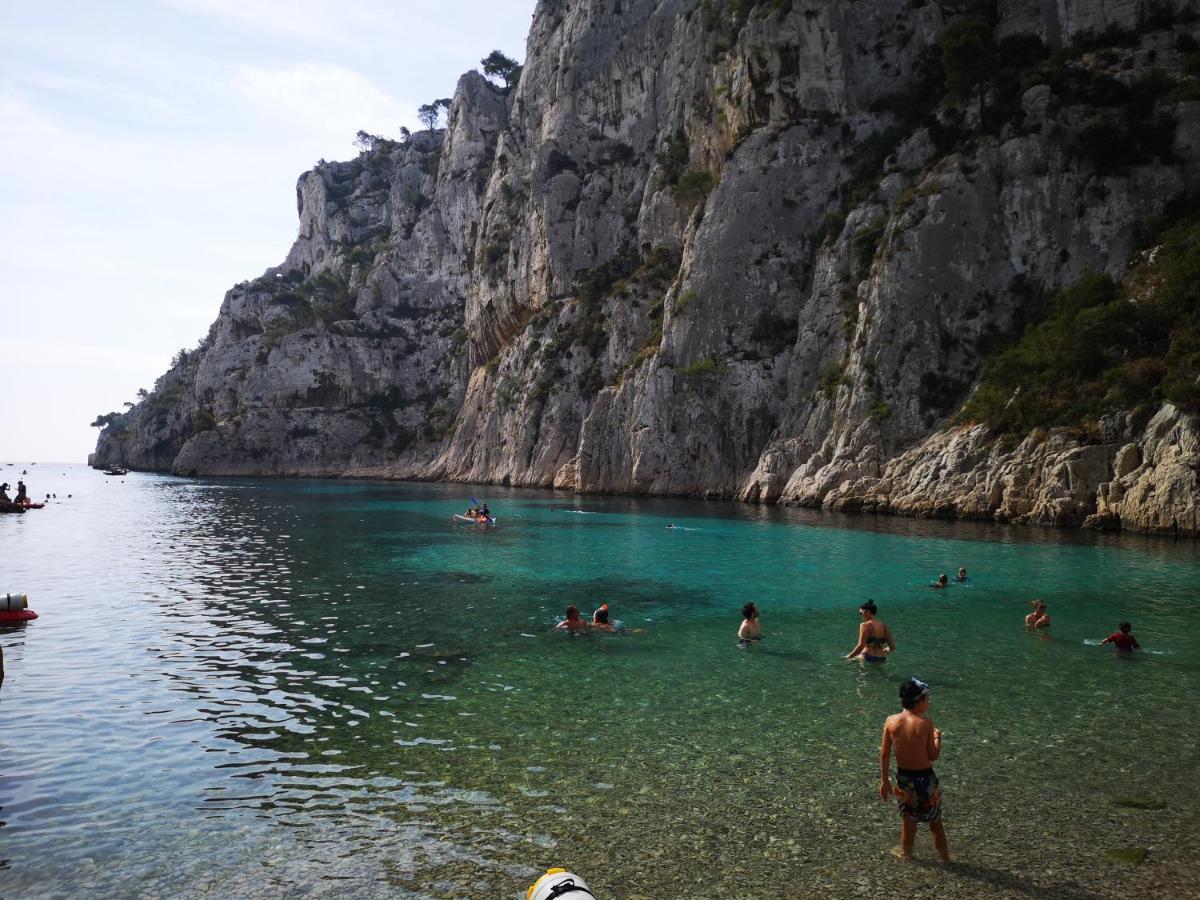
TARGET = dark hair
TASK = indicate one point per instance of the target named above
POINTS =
(750, 611)
(870, 607)
(572, 612)
(1125, 626)
(601, 616)
(912, 693)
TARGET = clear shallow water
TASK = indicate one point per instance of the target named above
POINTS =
(241, 686)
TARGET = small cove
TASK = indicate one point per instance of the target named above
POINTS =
(241, 685)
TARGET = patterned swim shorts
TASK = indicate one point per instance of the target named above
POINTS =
(918, 794)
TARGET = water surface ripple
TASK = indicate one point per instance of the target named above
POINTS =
(245, 686)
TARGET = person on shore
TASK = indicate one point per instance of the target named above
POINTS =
(943, 581)
(1122, 639)
(600, 619)
(962, 575)
(1038, 618)
(918, 744)
(573, 622)
(874, 637)
(751, 629)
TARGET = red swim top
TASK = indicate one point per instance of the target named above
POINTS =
(1123, 641)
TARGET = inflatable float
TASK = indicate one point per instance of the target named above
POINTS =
(15, 608)
(559, 883)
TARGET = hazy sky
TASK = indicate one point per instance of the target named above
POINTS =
(149, 151)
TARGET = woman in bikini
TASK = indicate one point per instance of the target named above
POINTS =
(874, 637)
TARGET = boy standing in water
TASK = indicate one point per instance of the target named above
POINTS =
(918, 744)
(1122, 638)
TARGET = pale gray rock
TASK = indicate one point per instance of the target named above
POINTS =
(688, 255)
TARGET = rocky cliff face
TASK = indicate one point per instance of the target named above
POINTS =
(749, 250)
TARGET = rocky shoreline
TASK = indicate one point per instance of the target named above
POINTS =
(753, 254)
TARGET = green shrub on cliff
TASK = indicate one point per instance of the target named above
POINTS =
(1104, 347)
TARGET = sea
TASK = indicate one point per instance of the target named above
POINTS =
(259, 687)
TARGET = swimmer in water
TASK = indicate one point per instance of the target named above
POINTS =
(573, 622)
(1122, 639)
(751, 629)
(1038, 618)
(962, 575)
(600, 619)
(942, 581)
(873, 636)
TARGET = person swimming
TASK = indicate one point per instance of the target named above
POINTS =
(1123, 639)
(1038, 618)
(962, 575)
(600, 619)
(874, 637)
(751, 629)
(942, 581)
(573, 622)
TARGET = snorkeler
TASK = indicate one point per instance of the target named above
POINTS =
(873, 636)
(573, 622)
(1038, 618)
(751, 628)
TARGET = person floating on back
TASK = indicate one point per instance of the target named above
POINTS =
(874, 637)
(573, 622)
(1122, 639)
(942, 581)
(918, 745)
(1038, 618)
(600, 619)
(962, 575)
(751, 629)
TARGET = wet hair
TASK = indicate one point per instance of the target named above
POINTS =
(600, 616)
(572, 612)
(962, 570)
(870, 607)
(943, 577)
(1038, 604)
(912, 693)
(749, 611)
(1125, 627)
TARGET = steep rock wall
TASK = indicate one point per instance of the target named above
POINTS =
(697, 252)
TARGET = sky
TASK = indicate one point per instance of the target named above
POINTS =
(149, 151)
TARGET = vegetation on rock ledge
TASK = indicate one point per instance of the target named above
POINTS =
(1105, 347)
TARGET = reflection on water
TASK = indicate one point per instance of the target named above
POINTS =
(242, 686)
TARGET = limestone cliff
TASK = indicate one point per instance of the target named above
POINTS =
(752, 249)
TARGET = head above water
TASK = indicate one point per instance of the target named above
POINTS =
(943, 578)
(1039, 605)
(912, 692)
(869, 607)
(749, 611)
(1125, 627)
(572, 613)
(962, 571)
(600, 616)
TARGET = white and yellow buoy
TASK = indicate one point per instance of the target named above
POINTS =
(559, 883)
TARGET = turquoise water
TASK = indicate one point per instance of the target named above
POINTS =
(242, 686)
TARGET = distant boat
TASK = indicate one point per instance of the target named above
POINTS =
(116, 470)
